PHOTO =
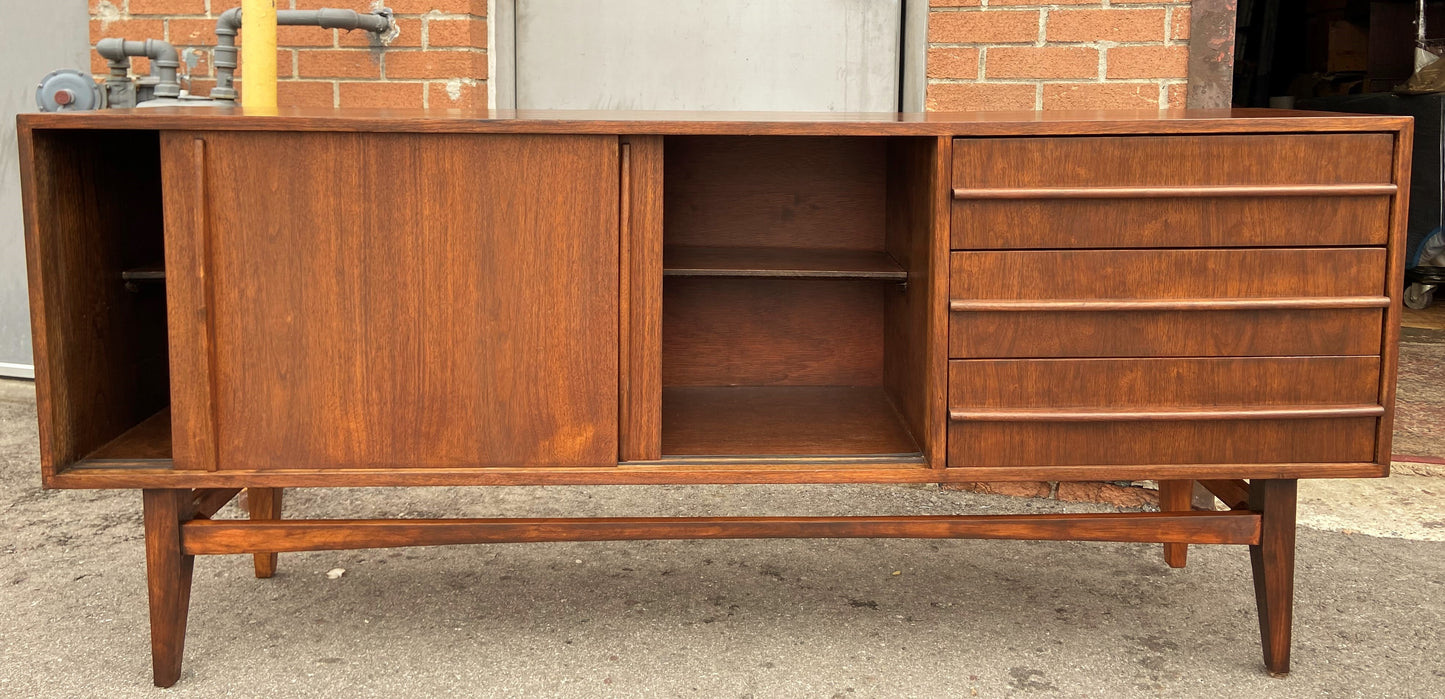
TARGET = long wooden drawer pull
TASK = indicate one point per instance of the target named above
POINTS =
(1130, 415)
(1284, 303)
(1290, 190)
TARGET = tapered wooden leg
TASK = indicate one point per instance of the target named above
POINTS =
(1273, 563)
(264, 503)
(168, 578)
(1176, 496)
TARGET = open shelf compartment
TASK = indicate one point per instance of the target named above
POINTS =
(102, 363)
(788, 325)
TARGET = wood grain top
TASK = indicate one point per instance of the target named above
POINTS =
(718, 123)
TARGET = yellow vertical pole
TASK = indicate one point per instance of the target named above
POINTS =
(258, 54)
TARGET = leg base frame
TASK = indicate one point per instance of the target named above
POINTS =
(177, 529)
(235, 536)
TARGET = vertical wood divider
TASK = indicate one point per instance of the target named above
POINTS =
(640, 337)
(190, 298)
(209, 289)
(624, 301)
(936, 374)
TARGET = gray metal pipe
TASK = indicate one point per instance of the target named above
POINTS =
(229, 24)
(164, 61)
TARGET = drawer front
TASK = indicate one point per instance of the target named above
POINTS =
(1211, 333)
(1167, 274)
(991, 388)
(1161, 303)
(1185, 191)
(1151, 442)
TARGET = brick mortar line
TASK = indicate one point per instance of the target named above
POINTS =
(215, 16)
(1003, 81)
(1086, 6)
(1098, 44)
(1052, 8)
(1074, 81)
(384, 50)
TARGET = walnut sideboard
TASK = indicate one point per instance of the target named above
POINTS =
(226, 301)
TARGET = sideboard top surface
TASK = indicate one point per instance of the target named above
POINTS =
(718, 123)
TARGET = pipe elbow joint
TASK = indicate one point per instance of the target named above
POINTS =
(113, 49)
(155, 49)
(162, 52)
(229, 23)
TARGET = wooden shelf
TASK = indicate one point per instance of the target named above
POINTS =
(780, 263)
(781, 421)
(148, 273)
(148, 441)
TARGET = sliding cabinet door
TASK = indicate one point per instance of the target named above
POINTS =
(372, 301)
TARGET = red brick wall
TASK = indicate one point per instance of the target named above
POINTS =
(1057, 54)
(982, 54)
(438, 60)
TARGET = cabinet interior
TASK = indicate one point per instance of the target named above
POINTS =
(105, 317)
(786, 322)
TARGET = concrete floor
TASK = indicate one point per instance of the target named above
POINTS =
(717, 619)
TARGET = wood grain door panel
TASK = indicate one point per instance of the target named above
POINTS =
(406, 300)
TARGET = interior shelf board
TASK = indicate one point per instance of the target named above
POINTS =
(780, 263)
(150, 440)
(147, 273)
(760, 421)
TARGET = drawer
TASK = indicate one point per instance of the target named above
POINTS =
(1167, 274)
(991, 388)
(1078, 412)
(1172, 191)
(1157, 442)
(1102, 332)
(1143, 303)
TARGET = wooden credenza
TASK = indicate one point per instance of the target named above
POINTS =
(225, 301)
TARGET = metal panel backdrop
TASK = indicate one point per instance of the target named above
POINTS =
(41, 38)
(813, 55)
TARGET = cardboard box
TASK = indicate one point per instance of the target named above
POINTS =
(1338, 46)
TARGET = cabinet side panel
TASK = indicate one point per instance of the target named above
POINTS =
(1394, 286)
(414, 300)
(92, 210)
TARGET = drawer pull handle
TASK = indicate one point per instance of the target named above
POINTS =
(1286, 303)
(1287, 190)
(1125, 415)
